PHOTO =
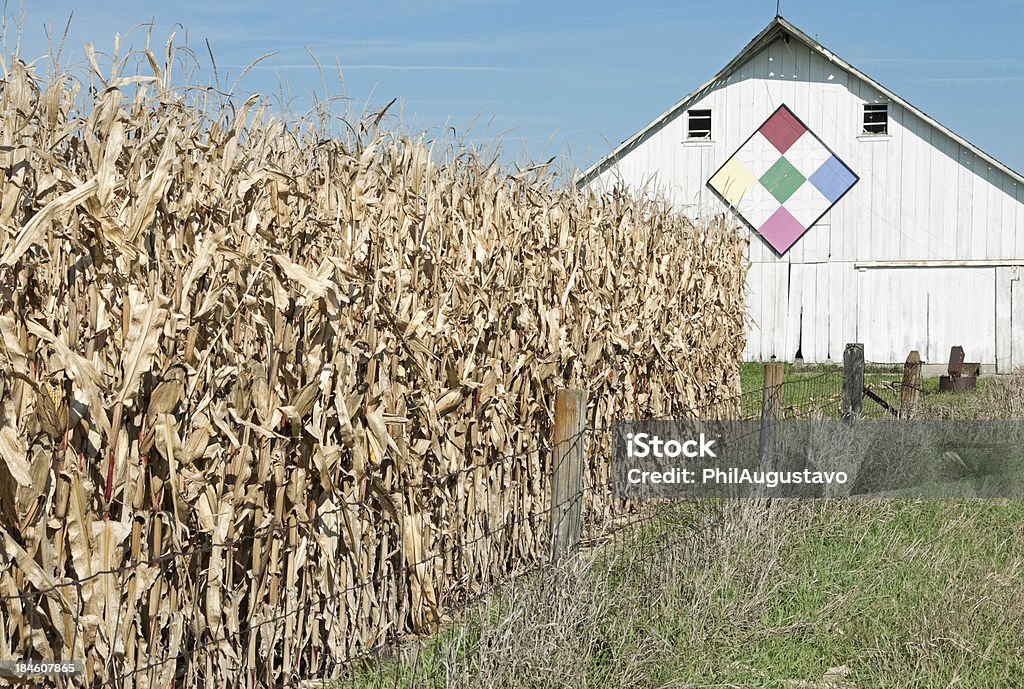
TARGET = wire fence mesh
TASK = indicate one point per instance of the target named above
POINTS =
(297, 636)
(634, 539)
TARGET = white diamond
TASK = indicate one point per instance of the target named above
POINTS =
(757, 205)
(757, 155)
(807, 204)
(807, 154)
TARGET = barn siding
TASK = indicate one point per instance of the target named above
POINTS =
(922, 197)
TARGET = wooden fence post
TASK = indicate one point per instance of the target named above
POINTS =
(771, 393)
(910, 393)
(771, 412)
(853, 381)
(567, 472)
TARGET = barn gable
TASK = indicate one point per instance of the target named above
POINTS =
(924, 252)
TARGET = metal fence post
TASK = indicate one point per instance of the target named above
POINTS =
(853, 381)
(567, 472)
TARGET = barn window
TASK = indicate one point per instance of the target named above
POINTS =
(876, 118)
(699, 122)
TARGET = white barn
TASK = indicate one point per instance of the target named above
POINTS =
(922, 252)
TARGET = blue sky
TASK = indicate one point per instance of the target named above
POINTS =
(570, 77)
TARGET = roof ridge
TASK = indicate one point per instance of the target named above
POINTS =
(780, 25)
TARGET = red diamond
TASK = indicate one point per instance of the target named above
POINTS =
(782, 129)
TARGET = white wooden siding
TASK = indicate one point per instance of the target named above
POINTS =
(926, 309)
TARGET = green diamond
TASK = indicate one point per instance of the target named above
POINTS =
(782, 179)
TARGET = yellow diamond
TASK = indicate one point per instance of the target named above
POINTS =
(732, 182)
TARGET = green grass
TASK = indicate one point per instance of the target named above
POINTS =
(904, 594)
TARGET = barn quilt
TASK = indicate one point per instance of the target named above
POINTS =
(782, 180)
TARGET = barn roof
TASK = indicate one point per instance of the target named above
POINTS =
(777, 28)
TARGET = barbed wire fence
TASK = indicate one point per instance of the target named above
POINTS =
(290, 638)
(295, 642)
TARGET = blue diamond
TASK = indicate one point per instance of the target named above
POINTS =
(833, 179)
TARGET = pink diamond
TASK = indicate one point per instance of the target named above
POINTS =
(781, 230)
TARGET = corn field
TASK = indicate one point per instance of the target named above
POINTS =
(274, 397)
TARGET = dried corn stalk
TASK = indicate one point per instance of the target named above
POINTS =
(271, 398)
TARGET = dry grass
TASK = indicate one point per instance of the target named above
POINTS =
(239, 357)
(813, 594)
(997, 398)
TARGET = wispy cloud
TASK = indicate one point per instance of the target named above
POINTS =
(966, 80)
(390, 68)
(435, 68)
(983, 62)
(384, 48)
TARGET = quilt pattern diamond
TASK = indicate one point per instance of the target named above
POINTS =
(782, 180)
